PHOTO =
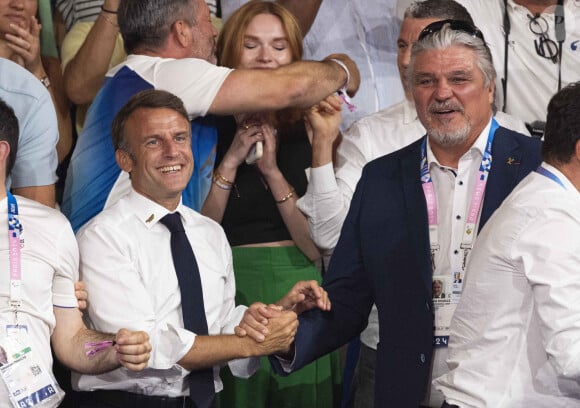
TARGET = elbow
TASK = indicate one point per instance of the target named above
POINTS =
(78, 95)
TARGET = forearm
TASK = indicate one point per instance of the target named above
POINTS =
(209, 351)
(85, 73)
(51, 68)
(75, 358)
(325, 207)
(295, 221)
(300, 84)
(216, 202)
(304, 12)
(68, 342)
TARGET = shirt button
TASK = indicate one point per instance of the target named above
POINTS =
(456, 252)
(423, 358)
(458, 217)
(460, 182)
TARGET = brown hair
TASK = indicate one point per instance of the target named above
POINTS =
(231, 38)
(148, 99)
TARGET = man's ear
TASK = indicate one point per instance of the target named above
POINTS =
(180, 32)
(4, 150)
(124, 160)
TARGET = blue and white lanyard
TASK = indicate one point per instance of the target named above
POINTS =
(545, 172)
(14, 246)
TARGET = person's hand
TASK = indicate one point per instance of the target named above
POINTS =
(81, 294)
(249, 131)
(267, 163)
(305, 295)
(323, 120)
(254, 322)
(354, 81)
(282, 331)
(133, 349)
(25, 44)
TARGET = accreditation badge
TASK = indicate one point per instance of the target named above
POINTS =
(29, 383)
(446, 295)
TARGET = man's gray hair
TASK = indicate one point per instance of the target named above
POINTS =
(447, 38)
(146, 24)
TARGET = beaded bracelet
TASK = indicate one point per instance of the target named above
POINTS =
(287, 196)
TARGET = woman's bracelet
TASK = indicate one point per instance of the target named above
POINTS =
(221, 181)
(108, 11)
(287, 196)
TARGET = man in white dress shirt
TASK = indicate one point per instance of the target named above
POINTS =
(515, 336)
(39, 258)
(535, 46)
(127, 264)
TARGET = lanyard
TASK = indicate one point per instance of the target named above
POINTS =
(474, 206)
(545, 172)
(14, 244)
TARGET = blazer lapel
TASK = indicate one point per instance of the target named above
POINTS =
(416, 214)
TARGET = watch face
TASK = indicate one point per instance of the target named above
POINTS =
(45, 81)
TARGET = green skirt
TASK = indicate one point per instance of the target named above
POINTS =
(265, 275)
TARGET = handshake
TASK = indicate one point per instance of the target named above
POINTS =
(273, 327)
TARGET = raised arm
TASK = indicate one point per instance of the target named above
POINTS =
(85, 72)
(300, 84)
(304, 11)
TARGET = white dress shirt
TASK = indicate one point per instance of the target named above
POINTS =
(515, 336)
(127, 265)
(532, 79)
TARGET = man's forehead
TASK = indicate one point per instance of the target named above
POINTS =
(447, 60)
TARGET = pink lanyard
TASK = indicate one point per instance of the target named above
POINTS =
(474, 206)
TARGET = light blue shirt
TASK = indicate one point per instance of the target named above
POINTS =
(36, 159)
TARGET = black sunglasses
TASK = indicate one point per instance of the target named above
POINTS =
(456, 25)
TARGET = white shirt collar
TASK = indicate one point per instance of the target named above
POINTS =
(147, 210)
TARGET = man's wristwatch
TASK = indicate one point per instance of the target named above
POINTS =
(45, 81)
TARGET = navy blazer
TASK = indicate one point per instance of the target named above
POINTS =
(383, 257)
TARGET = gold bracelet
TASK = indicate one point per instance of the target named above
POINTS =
(287, 196)
(218, 176)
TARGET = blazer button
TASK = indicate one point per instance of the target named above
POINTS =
(423, 358)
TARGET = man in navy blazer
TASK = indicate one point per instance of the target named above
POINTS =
(384, 254)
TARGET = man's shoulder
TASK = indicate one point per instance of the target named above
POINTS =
(507, 137)
(393, 165)
(44, 217)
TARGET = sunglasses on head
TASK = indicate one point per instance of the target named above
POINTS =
(456, 25)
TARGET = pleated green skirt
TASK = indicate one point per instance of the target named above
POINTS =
(265, 275)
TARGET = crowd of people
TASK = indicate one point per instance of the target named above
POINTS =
(232, 203)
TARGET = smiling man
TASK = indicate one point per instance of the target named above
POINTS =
(151, 261)
(414, 216)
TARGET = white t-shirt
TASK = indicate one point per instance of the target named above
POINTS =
(49, 269)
